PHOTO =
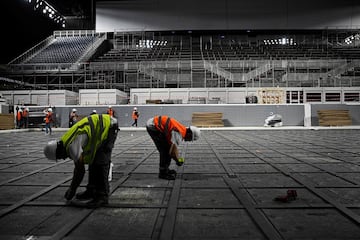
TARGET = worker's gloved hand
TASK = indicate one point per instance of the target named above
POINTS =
(180, 161)
(70, 193)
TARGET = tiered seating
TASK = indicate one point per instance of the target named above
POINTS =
(63, 50)
(230, 50)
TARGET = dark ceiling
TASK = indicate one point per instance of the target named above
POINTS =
(77, 8)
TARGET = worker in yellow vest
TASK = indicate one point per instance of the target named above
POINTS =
(89, 141)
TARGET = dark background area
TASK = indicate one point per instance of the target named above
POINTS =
(21, 27)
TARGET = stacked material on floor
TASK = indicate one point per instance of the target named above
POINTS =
(6, 121)
(334, 117)
(207, 119)
(156, 101)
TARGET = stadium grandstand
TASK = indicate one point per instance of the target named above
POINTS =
(321, 56)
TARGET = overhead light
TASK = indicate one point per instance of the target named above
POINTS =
(48, 10)
(352, 39)
(150, 43)
(280, 41)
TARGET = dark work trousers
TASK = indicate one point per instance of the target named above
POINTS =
(99, 168)
(134, 123)
(162, 146)
(98, 174)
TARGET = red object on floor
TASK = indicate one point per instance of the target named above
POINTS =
(290, 196)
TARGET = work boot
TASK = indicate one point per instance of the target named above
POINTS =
(97, 202)
(172, 172)
(86, 195)
(166, 175)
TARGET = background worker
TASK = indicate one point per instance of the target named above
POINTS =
(25, 117)
(111, 111)
(48, 121)
(167, 133)
(73, 117)
(90, 142)
(135, 115)
(19, 118)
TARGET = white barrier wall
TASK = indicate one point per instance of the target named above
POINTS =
(102, 96)
(234, 115)
(40, 97)
(293, 95)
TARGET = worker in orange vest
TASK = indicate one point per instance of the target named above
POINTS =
(135, 115)
(25, 117)
(19, 118)
(111, 111)
(167, 133)
(48, 121)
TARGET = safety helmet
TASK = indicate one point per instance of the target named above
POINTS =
(110, 106)
(50, 150)
(50, 109)
(195, 133)
(94, 111)
(74, 110)
(135, 108)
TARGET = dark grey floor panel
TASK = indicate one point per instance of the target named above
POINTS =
(233, 185)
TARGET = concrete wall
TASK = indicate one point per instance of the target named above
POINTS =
(234, 115)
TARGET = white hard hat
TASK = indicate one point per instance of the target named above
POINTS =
(50, 150)
(74, 110)
(50, 109)
(135, 108)
(195, 133)
(110, 106)
(94, 111)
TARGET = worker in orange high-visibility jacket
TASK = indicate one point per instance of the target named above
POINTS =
(25, 117)
(48, 121)
(167, 133)
(19, 118)
(135, 116)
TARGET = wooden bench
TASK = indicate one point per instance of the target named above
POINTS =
(207, 119)
(334, 117)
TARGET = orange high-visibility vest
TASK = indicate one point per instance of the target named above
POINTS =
(166, 125)
(18, 116)
(135, 115)
(48, 117)
(25, 113)
(110, 112)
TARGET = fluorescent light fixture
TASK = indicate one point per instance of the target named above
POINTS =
(280, 41)
(48, 10)
(150, 43)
